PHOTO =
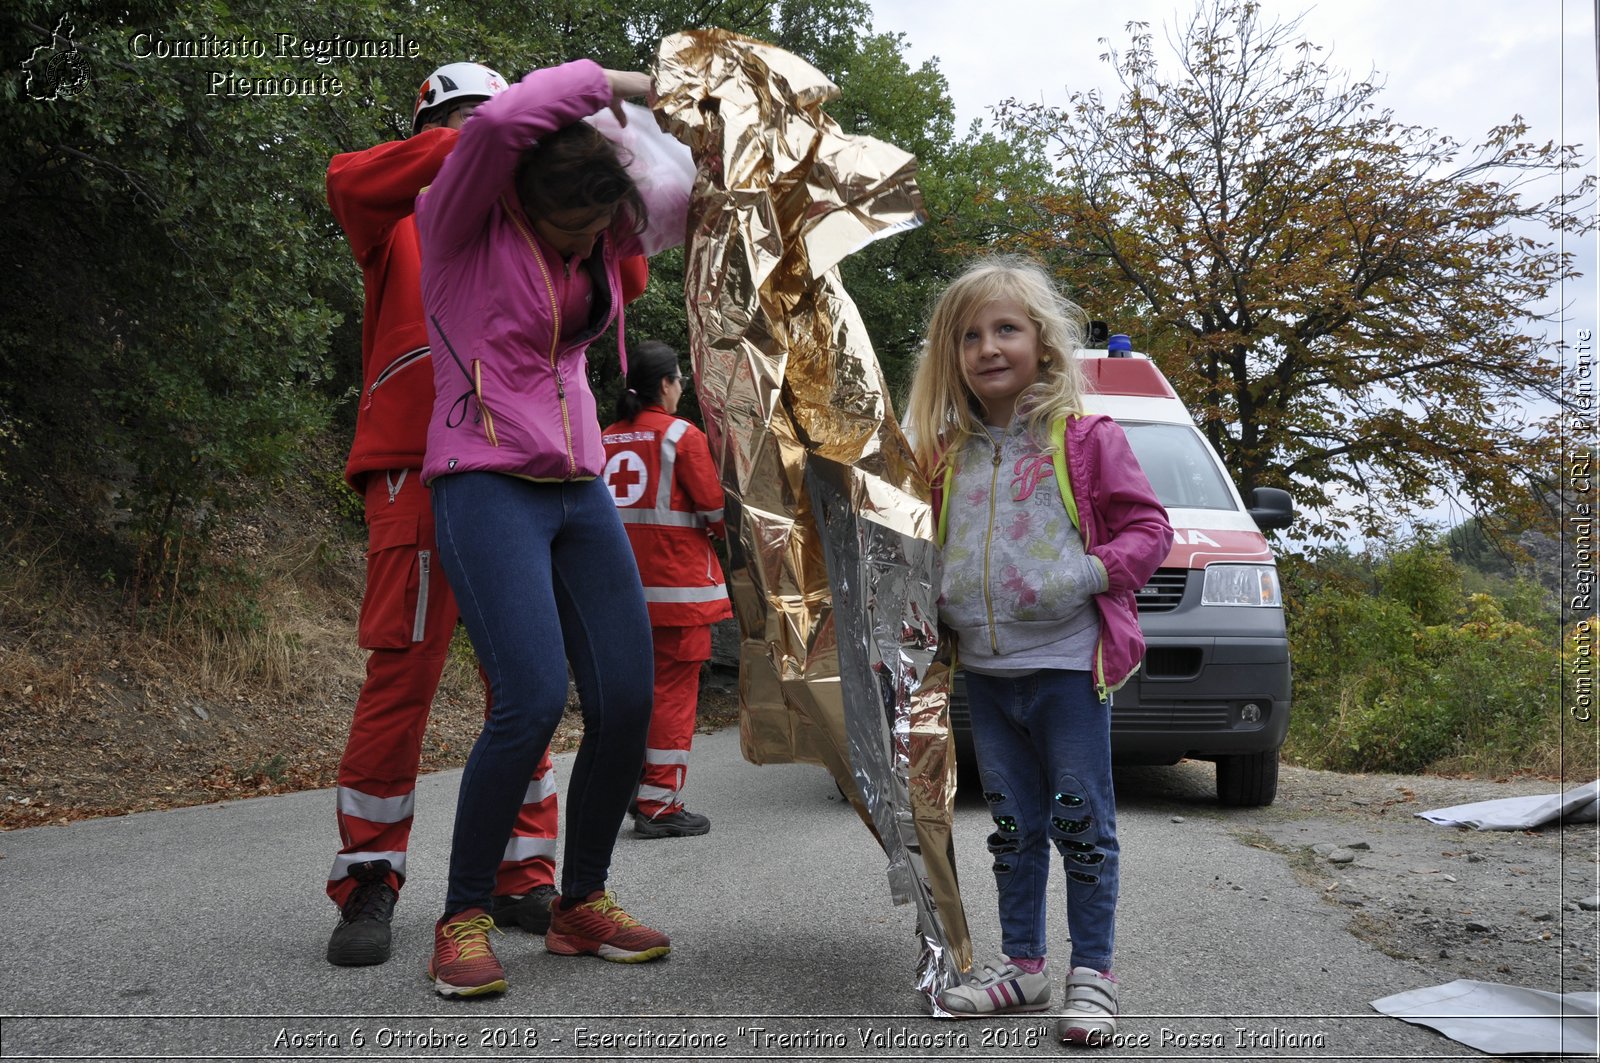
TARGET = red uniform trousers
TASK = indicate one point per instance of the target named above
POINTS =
(679, 652)
(407, 618)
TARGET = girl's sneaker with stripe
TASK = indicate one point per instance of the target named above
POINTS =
(1090, 1016)
(997, 988)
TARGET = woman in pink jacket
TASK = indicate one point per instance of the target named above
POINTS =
(522, 233)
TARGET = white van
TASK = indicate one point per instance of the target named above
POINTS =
(1215, 681)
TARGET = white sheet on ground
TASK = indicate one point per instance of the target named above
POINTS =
(1578, 805)
(1501, 1019)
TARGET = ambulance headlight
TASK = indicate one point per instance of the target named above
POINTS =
(1255, 585)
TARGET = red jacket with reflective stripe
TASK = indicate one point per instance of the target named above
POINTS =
(373, 194)
(660, 474)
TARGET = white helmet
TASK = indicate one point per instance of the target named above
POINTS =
(456, 81)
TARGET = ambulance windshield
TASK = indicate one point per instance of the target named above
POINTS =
(1180, 466)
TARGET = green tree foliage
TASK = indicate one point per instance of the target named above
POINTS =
(188, 315)
(1347, 301)
(969, 186)
(1398, 667)
(173, 332)
(194, 317)
(1531, 569)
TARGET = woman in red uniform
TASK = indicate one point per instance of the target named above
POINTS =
(659, 472)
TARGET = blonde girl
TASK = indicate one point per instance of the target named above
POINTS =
(1053, 529)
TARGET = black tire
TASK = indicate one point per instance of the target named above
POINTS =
(1248, 780)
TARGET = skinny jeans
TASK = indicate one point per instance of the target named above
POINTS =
(1043, 742)
(542, 573)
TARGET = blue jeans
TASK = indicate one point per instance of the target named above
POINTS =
(1044, 754)
(544, 577)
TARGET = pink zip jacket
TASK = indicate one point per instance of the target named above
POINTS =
(509, 327)
(1121, 521)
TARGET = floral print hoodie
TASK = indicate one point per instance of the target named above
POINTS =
(1125, 530)
(1018, 588)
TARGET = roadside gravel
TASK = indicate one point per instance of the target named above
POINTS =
(1499, 906)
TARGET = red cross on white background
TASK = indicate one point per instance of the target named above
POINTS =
(625, 476)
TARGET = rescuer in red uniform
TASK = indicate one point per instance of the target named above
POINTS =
(660, 474)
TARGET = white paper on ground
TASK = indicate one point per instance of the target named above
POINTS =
(1578, 805)
(1501, 1019)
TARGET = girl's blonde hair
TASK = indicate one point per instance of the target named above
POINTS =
(942, 410)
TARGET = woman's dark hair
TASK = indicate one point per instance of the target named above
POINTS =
(577, 169)
(650, 364)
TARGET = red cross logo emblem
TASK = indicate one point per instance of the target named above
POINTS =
(625, 475)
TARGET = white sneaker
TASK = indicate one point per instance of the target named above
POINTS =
(997, 989)
(1090, 1016)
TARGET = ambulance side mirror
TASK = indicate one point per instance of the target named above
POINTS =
(1271, 508)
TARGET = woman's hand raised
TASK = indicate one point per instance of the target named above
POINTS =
(626, 83)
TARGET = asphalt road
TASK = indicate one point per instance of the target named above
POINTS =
(199, 933)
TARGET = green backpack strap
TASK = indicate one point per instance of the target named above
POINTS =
(944, 502)
(1058, 445)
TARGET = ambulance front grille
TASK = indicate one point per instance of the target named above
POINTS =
(1164, 591)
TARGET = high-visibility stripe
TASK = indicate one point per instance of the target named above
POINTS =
(658, 794)
(519, 849)
(686, 594)
(344, 861)
(671, 518)
(711, 515)
(666, 756)
(376, 809)
(669, 459)
(539, 789)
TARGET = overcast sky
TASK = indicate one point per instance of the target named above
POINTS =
(1460, 66)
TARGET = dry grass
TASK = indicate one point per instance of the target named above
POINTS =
(245, 689)
(1542, 761)
(242, 688)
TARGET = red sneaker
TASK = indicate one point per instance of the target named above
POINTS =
(599, 927)
(463, 964)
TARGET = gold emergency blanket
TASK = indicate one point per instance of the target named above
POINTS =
(833, 561)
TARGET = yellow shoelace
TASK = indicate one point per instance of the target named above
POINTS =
(607, 905)
(471, 936)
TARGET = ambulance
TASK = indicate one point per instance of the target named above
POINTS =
(1215, 680)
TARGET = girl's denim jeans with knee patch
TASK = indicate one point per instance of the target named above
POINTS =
(1044, 755)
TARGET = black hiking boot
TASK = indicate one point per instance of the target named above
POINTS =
(362, 937)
